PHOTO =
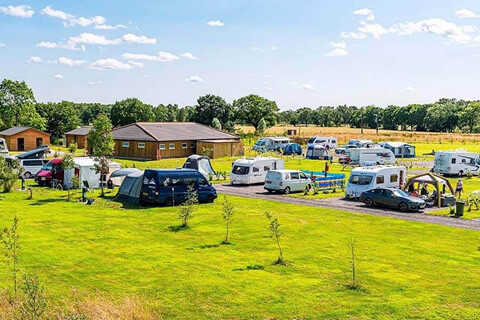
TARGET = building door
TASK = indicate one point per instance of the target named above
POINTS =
(21, 144)
(39, 142)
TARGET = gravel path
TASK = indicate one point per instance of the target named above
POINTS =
(339, 203)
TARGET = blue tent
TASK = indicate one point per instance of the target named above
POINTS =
(131, 188)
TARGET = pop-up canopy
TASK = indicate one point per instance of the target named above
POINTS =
(433, 179)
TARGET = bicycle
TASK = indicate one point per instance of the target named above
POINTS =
(57, 184)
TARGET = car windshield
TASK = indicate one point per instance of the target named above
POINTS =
(360, 180)
(260, 143)
(240, 170)
(48, 166)
(400, 193)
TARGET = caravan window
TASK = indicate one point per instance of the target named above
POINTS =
(255, 169)
(380, 179)
(360, 180)
(464, 160)
(294, 175)
(240, 170)
(266, 168)
(394, 178)
(454, 160)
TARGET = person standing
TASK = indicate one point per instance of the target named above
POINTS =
(326, 168)
(459, 188)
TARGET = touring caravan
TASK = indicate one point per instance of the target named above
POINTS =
(368, 156)
(327, 142)
(459, 162)
(368, 178)
(361, 143)
(271, 144)
(3, 148)
(399, 149)
(253, 170)
(318, 152)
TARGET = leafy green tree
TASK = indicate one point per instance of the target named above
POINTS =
(216, 124)
(469, 117)
(211, 106)
(9, 174)
(131, 110)
(251, 109)
(262, 126)
(390, 120)
(68, 164)
(187, 208)
(17, 106)
(227, 215)
(100, 139)
(60, 117)
(90, 111)
(305, 116)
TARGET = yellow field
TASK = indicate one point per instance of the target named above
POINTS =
(346, 133)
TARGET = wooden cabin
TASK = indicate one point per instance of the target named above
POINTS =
(24, 138)
(78, 136)
(162, 140)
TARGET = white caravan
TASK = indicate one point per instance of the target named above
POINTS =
(3, 148)
(361, 143)
(253, 170)
(368, 178)
(327, 142)
(271, 144)
(287, 181)
(458, 162)
(369, 156)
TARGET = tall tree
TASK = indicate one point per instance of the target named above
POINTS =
(60, 117)
(251, 109)
(17, 106)
(211, 106)
(90, 111)
(129, 111)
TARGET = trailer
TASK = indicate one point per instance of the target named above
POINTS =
(457, 162)
(271, 144)
(327, 142)
(368, 178)
(253, 170)
(368, 156)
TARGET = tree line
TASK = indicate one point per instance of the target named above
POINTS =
(18, 107)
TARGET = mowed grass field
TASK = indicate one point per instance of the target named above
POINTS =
(406, 270)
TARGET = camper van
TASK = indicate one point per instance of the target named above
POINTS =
(368, 156)
(170, 186)
(3, 148)
(271, 144)
(287, 181)
(253, 170)
(361, 143)
(318, 152)
(368, 178)
(32, 166)
(327, 142)
(459, 162)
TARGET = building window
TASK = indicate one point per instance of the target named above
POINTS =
(184, 146)
(141, 145)
(171, 146)
(162, 146)
(192, 145)
(125, 144)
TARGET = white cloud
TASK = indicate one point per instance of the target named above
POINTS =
(110, 64)
(161, 57)
(110, 27)
(93, 39)
(35, 59)
(55, 45)
(132, 38)
(353, 35)
(22, 11)
(365, 12)
(375, 29)
(70, 62)
(136, 64)
(70, 20)
(337, 53)
(194, 79)
(465, 13)
(469, 29)
(307, 86)
(58, 76)
(189, 55)
(341, 44)
(95, 82)
(215, 23)
(435, 26)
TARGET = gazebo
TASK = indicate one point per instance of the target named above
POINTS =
(433, 179)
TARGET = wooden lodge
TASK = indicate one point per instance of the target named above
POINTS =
(24, 138)
(78, 136)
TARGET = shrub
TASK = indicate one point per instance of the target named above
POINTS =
(34, 302)
(9, 174)
(73, 147)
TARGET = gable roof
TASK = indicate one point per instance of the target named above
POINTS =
(82, 131)
(169, 131)
(16, 130)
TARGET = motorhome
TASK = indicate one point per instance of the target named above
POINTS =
(253, 170)
(271, 144)
(458, 162)
(3, 148)
(368, 156)
(368, 178)
(327, 142)
(287, 181)
(32, 166)
(361, 143)
(318, 152)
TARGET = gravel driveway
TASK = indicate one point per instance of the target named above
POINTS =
(339, 203)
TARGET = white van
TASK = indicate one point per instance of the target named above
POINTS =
(459, 162)
(368, 178)
(3, 148)
(287, 181)
(368, 156)
(271, 144)
(327, 142)
(253, 170)
(32, 166)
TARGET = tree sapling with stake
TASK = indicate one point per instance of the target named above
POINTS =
(276, 233)
(188, 207)
(10, 240)
(227, 214)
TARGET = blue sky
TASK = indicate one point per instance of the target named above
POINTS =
(298, 53)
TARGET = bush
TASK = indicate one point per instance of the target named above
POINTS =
(9, 174)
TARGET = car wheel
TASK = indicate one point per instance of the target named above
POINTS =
(210, 199)
(342, 152)
(309, 187)
(287, 190)
(368, 202)
(27, 175)
(403, 207)
(169, 202)
(270, 191)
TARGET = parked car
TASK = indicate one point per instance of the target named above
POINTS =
(52, 170)
(344, 148)
(292, 148)
(170, 186)
(32, 166)
(392, 198)
(287, 181)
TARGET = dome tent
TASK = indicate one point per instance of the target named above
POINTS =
(200, 163)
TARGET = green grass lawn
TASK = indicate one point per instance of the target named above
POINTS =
(406, 270)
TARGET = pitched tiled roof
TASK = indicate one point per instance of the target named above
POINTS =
(169, 131)
(82, 131)
(15, 130)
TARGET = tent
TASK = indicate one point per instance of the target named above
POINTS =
(200, 163)
(399, 149)
(119, 175)
(84, 169)
(433, 179)
(131, 188)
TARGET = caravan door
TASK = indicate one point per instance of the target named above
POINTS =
(257, 175)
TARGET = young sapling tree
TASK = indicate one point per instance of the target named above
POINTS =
(275, 233)
(352, 242)
(10, 240)
(227, 214)
(34, 305)
(187, 209)
(67, 165)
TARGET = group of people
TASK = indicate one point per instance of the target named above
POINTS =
(425, 193)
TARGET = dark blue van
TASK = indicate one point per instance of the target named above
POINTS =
(169, 186)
